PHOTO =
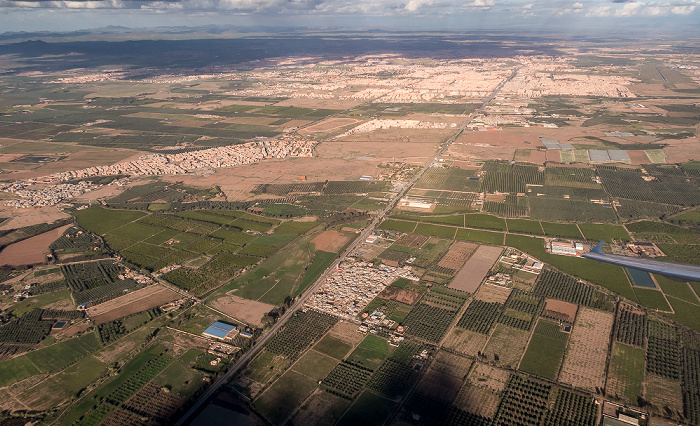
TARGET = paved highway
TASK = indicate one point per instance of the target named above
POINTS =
(369, 230)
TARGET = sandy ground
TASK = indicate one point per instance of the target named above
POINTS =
(403, 135)
(107, 191)
(474, 271)
(682, 150)
(473, 153)
(131, 303)
(378, 151)
(32, 250)
(330, 241)
(31, 216)
(505, 138)
(568, 309)
(239, 181)
(248, 311)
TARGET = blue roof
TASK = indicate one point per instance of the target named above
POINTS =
(223, 326)
(216, 332)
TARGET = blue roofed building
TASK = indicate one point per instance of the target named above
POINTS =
(221, 330)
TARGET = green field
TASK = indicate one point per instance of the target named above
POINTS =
(280, 401)
(685, 313)
(368, 410)
(280, 275)
(626, 372)
(60, 355)
(322, 260)
(692, 216)
(16, 369)
(545, 352)
(333, 347)
(599, 232)
(677, 289)
(561, 230)
(398, 225)
(652, 298)
(370, 352)
(101, 220)
(294, 228)
(435, 230)
(486, 237)
(315, 366)
(477, 220)
(524, 226)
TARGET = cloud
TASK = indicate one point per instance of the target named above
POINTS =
(683, 10)
(481, 4)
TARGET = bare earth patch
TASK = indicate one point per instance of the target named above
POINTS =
(564, 308)
(131, 303)
(248, 311)
(403, 295)
(32, 250)
(330, 241)
(584, 364)
(347, 332)
(476, 268)
(465, 341)
(458, 253)
(493, 293)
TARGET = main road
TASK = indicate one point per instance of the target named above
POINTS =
(369, 230)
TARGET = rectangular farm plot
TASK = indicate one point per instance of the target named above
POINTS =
(493, 293)
(474, 271)
(278, 403)
(314, 365)
(455, 257)
(506, 343)
(662, 391)
(584, 365)
(479, 236)
(330, 241)
(482, 391)
(545, 351)
(451, 364)
(131, 303)
(626, 373)
(440, 386)
(321, 408)
(465, 341)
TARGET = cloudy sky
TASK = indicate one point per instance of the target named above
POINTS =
(582, 16)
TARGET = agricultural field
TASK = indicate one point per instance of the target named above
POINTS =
(626, 373)
(523, 399)
(507, 344)
(545, 351)
(584, 363)
(241, 244)
(482, 390)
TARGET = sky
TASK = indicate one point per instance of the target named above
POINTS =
(585, 16)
